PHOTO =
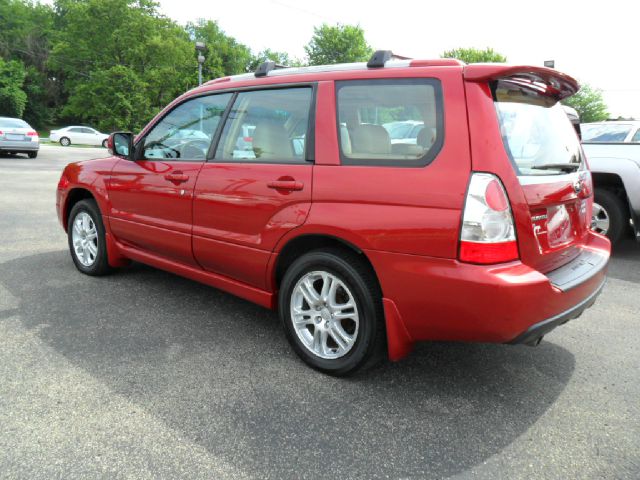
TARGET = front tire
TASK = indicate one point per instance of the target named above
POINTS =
(331, 311)
(86, 237)
(608, 215)
(65, 142)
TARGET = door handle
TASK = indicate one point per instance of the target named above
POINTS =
(286, 185)
(176, 177)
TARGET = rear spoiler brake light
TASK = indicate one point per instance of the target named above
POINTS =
(544, 81)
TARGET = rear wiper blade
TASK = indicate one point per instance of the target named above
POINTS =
(565, 167)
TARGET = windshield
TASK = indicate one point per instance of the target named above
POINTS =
(536, 132)
(13, 123)
(604, 133)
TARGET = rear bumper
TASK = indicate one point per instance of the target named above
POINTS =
(19, 146)
(443, 299)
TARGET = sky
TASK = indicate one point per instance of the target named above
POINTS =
(596, 42)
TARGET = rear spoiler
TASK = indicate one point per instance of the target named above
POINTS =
(544, 81)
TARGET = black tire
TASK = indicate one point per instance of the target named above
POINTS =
(370, 343)
(616, 210)
(105, 143)
(32, 154)
(100, 266)
(65, 141)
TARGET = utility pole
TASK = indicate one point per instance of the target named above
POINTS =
(200, 48)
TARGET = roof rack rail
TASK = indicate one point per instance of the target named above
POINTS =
(265, 67)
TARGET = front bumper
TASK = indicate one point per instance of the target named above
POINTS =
(446, 300)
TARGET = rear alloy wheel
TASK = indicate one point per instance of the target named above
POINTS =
(86, 238)
(331, 310)
(65, 142)
(608, 217)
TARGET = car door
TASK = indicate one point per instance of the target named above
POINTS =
(75, 135)
(151, 198)
(256, 188)
(91, 136)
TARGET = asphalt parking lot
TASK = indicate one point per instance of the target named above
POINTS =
(144, 374)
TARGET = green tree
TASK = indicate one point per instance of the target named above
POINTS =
(25, 34)
(337, 44)
(224, 55)
(589, 104)
(94, 36)
(474, 55)
(111, 99)
(13, 99)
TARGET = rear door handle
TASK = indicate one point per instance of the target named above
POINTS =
(286, 185)
(176, 177)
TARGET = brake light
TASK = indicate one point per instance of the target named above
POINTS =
(32, 134)
(488, 233)
(248, 139)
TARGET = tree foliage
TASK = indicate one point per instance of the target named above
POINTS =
(13, 99)
(337, 44)
(589, 103)
(475, 55)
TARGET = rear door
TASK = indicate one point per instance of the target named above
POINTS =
(258, 187)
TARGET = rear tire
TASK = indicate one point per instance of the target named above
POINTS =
(86, 238)
(329, 335)
(32, 154)
(614, 210)
(65, 142)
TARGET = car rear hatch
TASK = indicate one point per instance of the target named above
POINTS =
(546, 155)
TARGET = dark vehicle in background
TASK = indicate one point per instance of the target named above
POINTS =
(17, 136)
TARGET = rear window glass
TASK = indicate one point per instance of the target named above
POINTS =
(605, 133)
(13, 123)
(537, 134)
(395, 122)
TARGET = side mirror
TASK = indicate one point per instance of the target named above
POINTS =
(120, 144)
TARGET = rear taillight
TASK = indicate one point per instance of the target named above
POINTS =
(248, 139)
(488, 232)
(32, 134)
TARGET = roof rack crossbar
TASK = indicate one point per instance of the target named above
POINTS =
(379, 58)
(265, 67)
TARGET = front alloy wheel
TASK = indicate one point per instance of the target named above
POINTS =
(87, 238)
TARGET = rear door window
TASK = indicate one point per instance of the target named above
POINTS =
(536, 131)
(393, 122)
(267, 126)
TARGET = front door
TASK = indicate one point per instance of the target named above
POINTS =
(258, 186)
(151, 198)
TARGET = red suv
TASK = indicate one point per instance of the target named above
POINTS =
(297, 190)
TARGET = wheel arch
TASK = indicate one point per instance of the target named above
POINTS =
(74, 196)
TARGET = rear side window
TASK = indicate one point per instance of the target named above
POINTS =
(390, 122)
(537, 134)
(603, 133)
(267, 126)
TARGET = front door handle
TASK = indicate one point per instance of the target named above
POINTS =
(176, 177)
(286, 185)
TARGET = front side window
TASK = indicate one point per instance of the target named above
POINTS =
(186, 132)
(536, 132)
(267, 126)
(395, 122)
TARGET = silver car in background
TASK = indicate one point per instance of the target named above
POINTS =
(17, 136)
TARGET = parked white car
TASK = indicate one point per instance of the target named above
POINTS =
(78, 135)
